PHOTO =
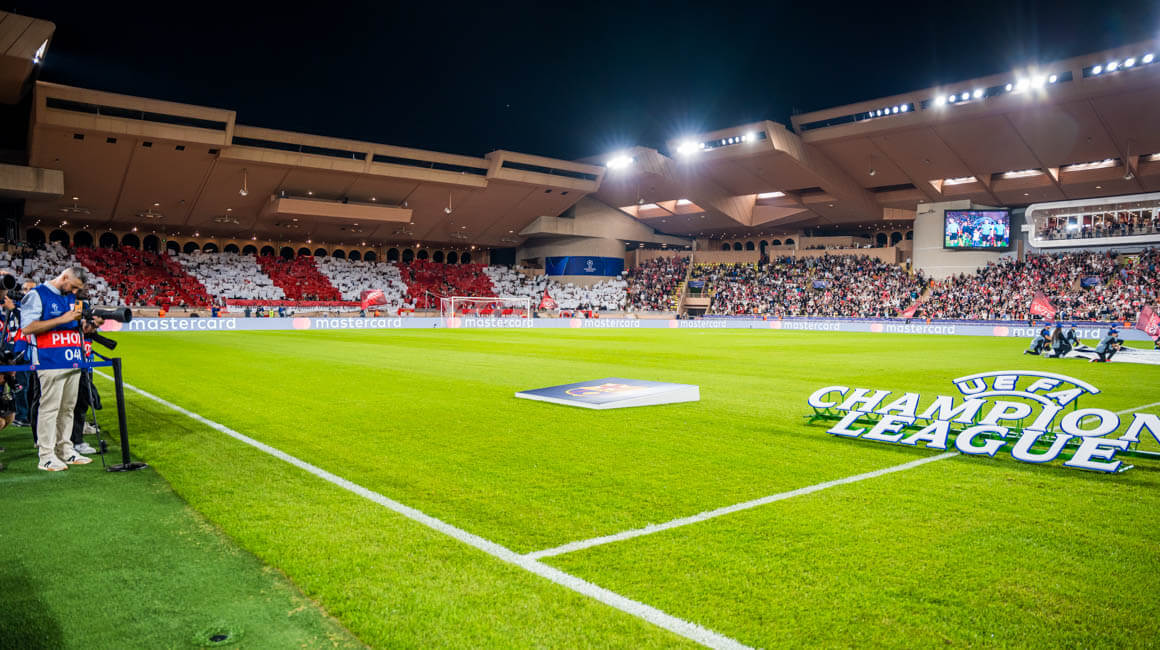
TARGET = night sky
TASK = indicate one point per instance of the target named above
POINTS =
(574, 80)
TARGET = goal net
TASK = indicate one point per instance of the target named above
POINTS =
(501, 307)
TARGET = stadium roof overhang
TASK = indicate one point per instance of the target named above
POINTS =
(23, 45)
(177, 168)
(1064, 130)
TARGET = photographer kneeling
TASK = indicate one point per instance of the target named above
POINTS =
(48, 317)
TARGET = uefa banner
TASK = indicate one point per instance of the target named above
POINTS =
(575, 265)
(1092, 331)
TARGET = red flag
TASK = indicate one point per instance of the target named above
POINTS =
(1148, 321)
(547, 302)
(1042, 306)
(909, 311)
(373, 297)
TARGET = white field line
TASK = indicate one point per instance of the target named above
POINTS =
(685, 521)
(1137, 408)
(640, 610)
(719, 512)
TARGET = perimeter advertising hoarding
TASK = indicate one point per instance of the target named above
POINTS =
(227, 324)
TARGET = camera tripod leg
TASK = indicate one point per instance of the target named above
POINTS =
(101, 446)
(126, 465)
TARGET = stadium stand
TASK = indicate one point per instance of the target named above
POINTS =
(1081, 286)
(143, 278)
(40, 265)
(429, 281)
(352, 277)
(299, 278)
(654, 285)
(831, 286)
(608, 295)
(230, 276)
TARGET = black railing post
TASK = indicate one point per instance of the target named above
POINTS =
(126, 465)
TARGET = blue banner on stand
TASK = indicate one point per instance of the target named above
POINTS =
(574, 265)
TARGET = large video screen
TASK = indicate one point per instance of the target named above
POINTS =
(977, 229)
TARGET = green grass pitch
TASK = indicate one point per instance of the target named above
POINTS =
(962, 551)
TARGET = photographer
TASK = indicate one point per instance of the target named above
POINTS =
(16, 346)
(49, 315)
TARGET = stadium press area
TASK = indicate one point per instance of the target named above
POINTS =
(319, 483)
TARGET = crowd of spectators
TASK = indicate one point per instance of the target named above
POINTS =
(352, 277)
(298, 278)
(606, 295)
(1080, 286)
(230, 276)
(42, 264)
(652, 285)
(1123, 224)
(143, 278)
(852, 286)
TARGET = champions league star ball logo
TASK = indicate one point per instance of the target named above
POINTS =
(585, 391)
(589, 267)
(1035, 416)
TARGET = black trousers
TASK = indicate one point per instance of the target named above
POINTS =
(1106, 356)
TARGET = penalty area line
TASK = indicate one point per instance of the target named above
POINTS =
(727, 510)
(681, 627)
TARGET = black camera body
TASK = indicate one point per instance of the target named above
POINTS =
(11, 287)
(119, 314)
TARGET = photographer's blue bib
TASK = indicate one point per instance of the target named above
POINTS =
(62, 346)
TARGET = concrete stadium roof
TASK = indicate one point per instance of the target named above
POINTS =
(1079, 128)
(177, 168)
(1058, 131)
(23, 42)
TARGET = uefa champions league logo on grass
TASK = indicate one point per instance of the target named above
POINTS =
(1034, 416)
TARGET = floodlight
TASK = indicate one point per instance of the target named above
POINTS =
(952, 98)
(688, 147)
(1129, 62)
(619, 161)
(905, 107)
(1098, 69)
(940, 101)
(964, 96)
(978, 93)
(894, 110)
(1021, 84)
(1147, 58)
(751, 136)
(1052, 79)
(1009, 87)
(1112, 65)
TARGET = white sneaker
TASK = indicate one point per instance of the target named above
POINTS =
(85, 448)
(90, 430)
(77, 459)
(53, 465)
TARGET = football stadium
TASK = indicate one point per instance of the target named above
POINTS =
(887, 374)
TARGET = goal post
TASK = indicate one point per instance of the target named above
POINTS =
(485, 307)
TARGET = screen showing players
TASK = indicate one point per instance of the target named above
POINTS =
(977, 229)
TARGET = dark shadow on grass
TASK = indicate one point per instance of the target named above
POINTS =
(25, 620)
